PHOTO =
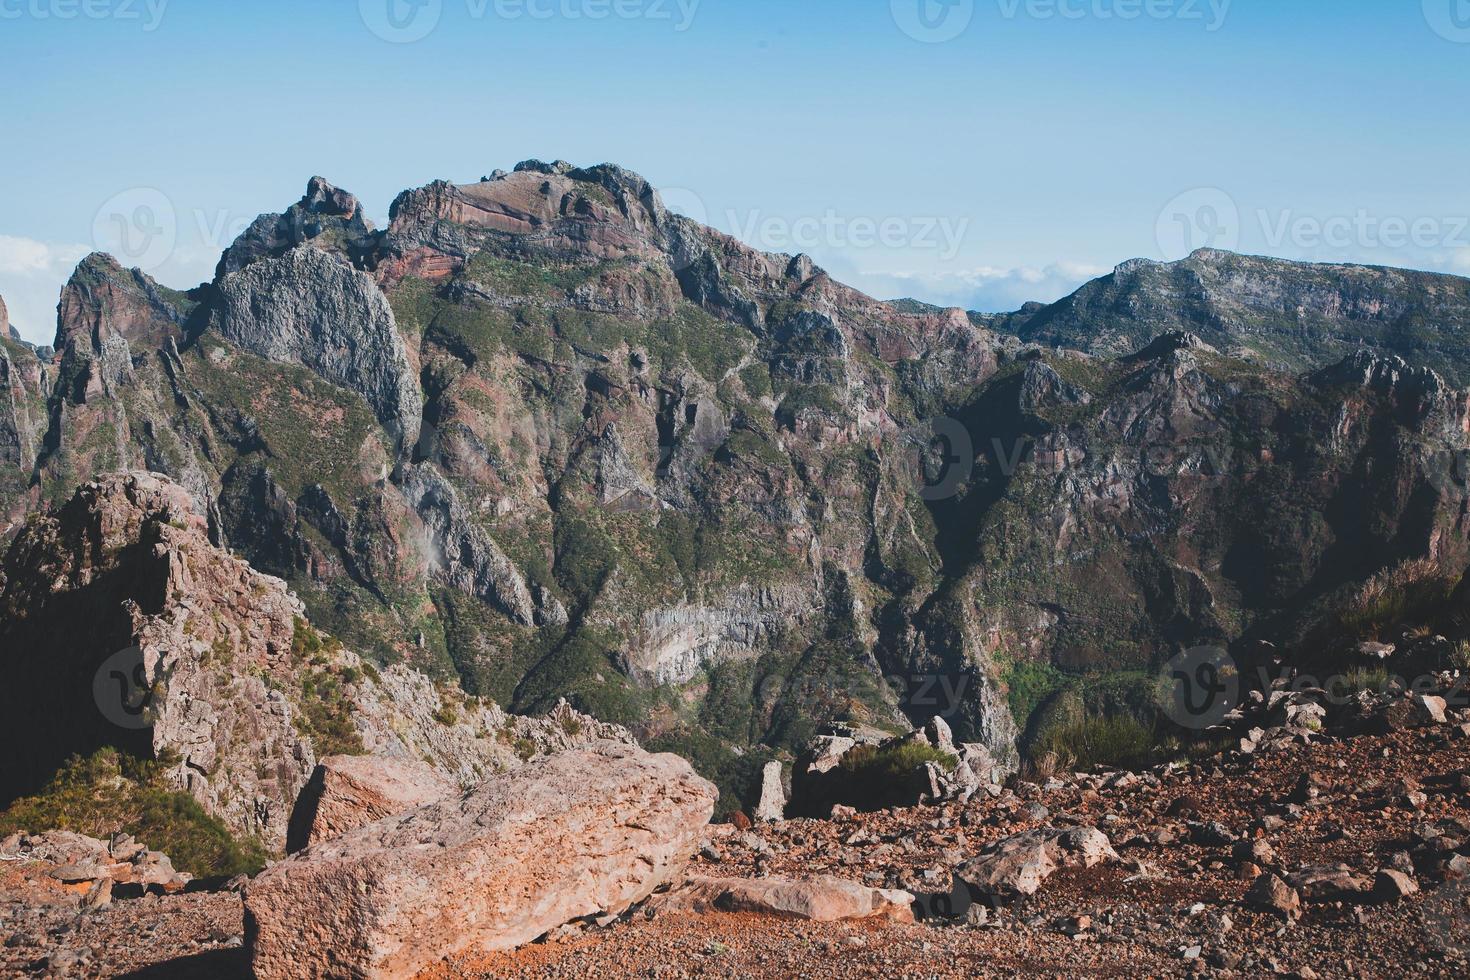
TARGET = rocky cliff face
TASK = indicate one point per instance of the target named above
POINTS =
(542, 438)
(1289, 314)
(125, 626)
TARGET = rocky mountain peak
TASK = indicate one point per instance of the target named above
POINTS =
(327, 217)
(5, 326)
(105, 310)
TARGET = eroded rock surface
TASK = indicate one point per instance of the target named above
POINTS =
(577, 834)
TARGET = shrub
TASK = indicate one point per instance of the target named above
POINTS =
(1117, 741)
(893, 761)
(1409, 590)
(109, 793)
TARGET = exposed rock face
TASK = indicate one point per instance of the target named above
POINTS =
(463, 553)
(347, 792)
(772, 805)
(176, 640)
(579, 834)
(312, 308)
(328, 218)
(191, 655)
(1298, 314)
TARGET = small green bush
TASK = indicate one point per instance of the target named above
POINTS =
(893, 761)
(1117, 741)
(109, 793)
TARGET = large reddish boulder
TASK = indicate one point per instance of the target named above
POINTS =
(577, 834)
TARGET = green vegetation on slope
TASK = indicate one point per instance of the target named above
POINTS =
(110, 793)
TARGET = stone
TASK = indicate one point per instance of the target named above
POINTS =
(1328, 882)
(347, 792)
(1274, 895)
(1017, 865)
(1390, 885)
(772, 805)
(820, 899)
(1415, 711)
(582, 833)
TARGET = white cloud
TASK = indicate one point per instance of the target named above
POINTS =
(988, 289)
(31, 276)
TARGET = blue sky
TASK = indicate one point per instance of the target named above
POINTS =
(990, 152)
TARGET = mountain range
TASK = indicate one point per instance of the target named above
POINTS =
(542, 438)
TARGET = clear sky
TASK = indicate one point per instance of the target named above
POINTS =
(974, 152)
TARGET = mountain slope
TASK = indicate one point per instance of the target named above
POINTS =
(1289, 314)
(543, 438)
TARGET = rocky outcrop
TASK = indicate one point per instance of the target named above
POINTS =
(579, 834)
(347, 792)
(326, 217)
(310, 307)
(95, 867)
(193, 657)
(463, 553)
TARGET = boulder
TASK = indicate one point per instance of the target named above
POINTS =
(1415, 711)
(1328, 883)
(1274, 895)
(1017, 865)
(577, 834)
(772, 805)
(347, 792)
(820, 899)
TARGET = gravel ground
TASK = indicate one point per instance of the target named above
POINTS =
(1173, 907)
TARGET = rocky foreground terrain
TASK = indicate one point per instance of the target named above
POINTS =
(1315, 853)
